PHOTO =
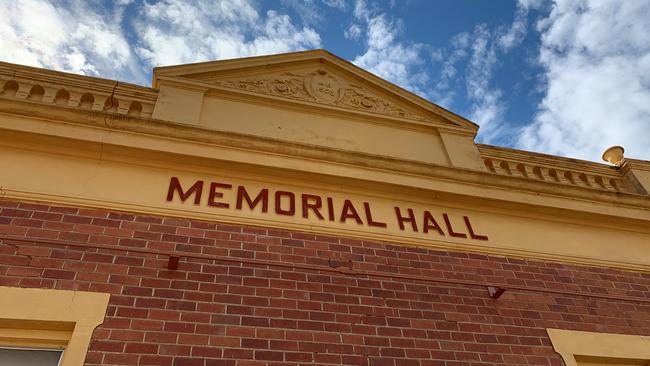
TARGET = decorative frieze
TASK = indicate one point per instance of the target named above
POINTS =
(557, 175)
(321, 87)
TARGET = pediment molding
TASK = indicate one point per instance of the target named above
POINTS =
(317, 78)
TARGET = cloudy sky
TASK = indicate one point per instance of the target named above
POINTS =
(567, 77)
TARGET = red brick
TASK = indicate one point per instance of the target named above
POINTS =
(193, 339)
(88, 229)
(64, 210)
(129, 242)
(218, 341)
(126, 335)
(207, 352)
(120, 359)
(174, 350)
(132, 313)
(143, 324)
(155, 360)
(73, 219)
(232, 330)
(27, 222)
(121, 232)
(58, 274)
(189, 362)
(11, 212)
(24, 272)
(286, 346)
(13, 230)
(269, 355)
(148, 219)
(254, 343)
(150, 348)
(32, 251)
(272, 316)
(47, 216)
(107, 346)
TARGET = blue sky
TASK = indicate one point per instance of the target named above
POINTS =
(567, 77)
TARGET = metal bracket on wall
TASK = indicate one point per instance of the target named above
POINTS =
(495, 292)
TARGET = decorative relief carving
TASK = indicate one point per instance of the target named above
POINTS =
(556, 175)
(322, 88)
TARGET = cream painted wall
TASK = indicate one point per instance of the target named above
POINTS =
(140, 186)
(350, 134)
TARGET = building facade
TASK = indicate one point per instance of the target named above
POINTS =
(297, 210)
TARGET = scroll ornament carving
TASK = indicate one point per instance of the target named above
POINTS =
(322, 88)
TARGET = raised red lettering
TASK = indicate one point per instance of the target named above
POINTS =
(430, 223)
(315, 206)
(216, 194)
(401, 219)
(330, 209)
(371, 222)
(278, 203)
(175, 186)
(262, 197)
(450, 230)
(349, 212)
(472, 234)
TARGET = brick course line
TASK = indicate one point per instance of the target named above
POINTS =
(346, 271)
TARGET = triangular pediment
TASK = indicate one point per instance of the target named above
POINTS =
(317, 78)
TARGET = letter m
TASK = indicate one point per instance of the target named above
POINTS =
(263, 197)
(175, 186)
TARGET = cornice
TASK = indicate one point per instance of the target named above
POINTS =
(635, 164)
(556, 170)
(549, 160)
(75, 91)
(177, 139)
(9, 70)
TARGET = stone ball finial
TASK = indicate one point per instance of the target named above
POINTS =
(614, 155)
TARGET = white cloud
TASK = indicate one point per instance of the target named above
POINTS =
(488, 46)
(175, 32)
(597, 61)
(442, 92)
(309, 12)
(353, 32)
(90, 37)
(387, 57)
(517, 31)
(487, 105)
(437, 55)
(532, 4)
(75, 37)
(473, 58)
(361, 10)
(337, 4)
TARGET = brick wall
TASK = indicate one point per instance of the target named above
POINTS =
(252, 296)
